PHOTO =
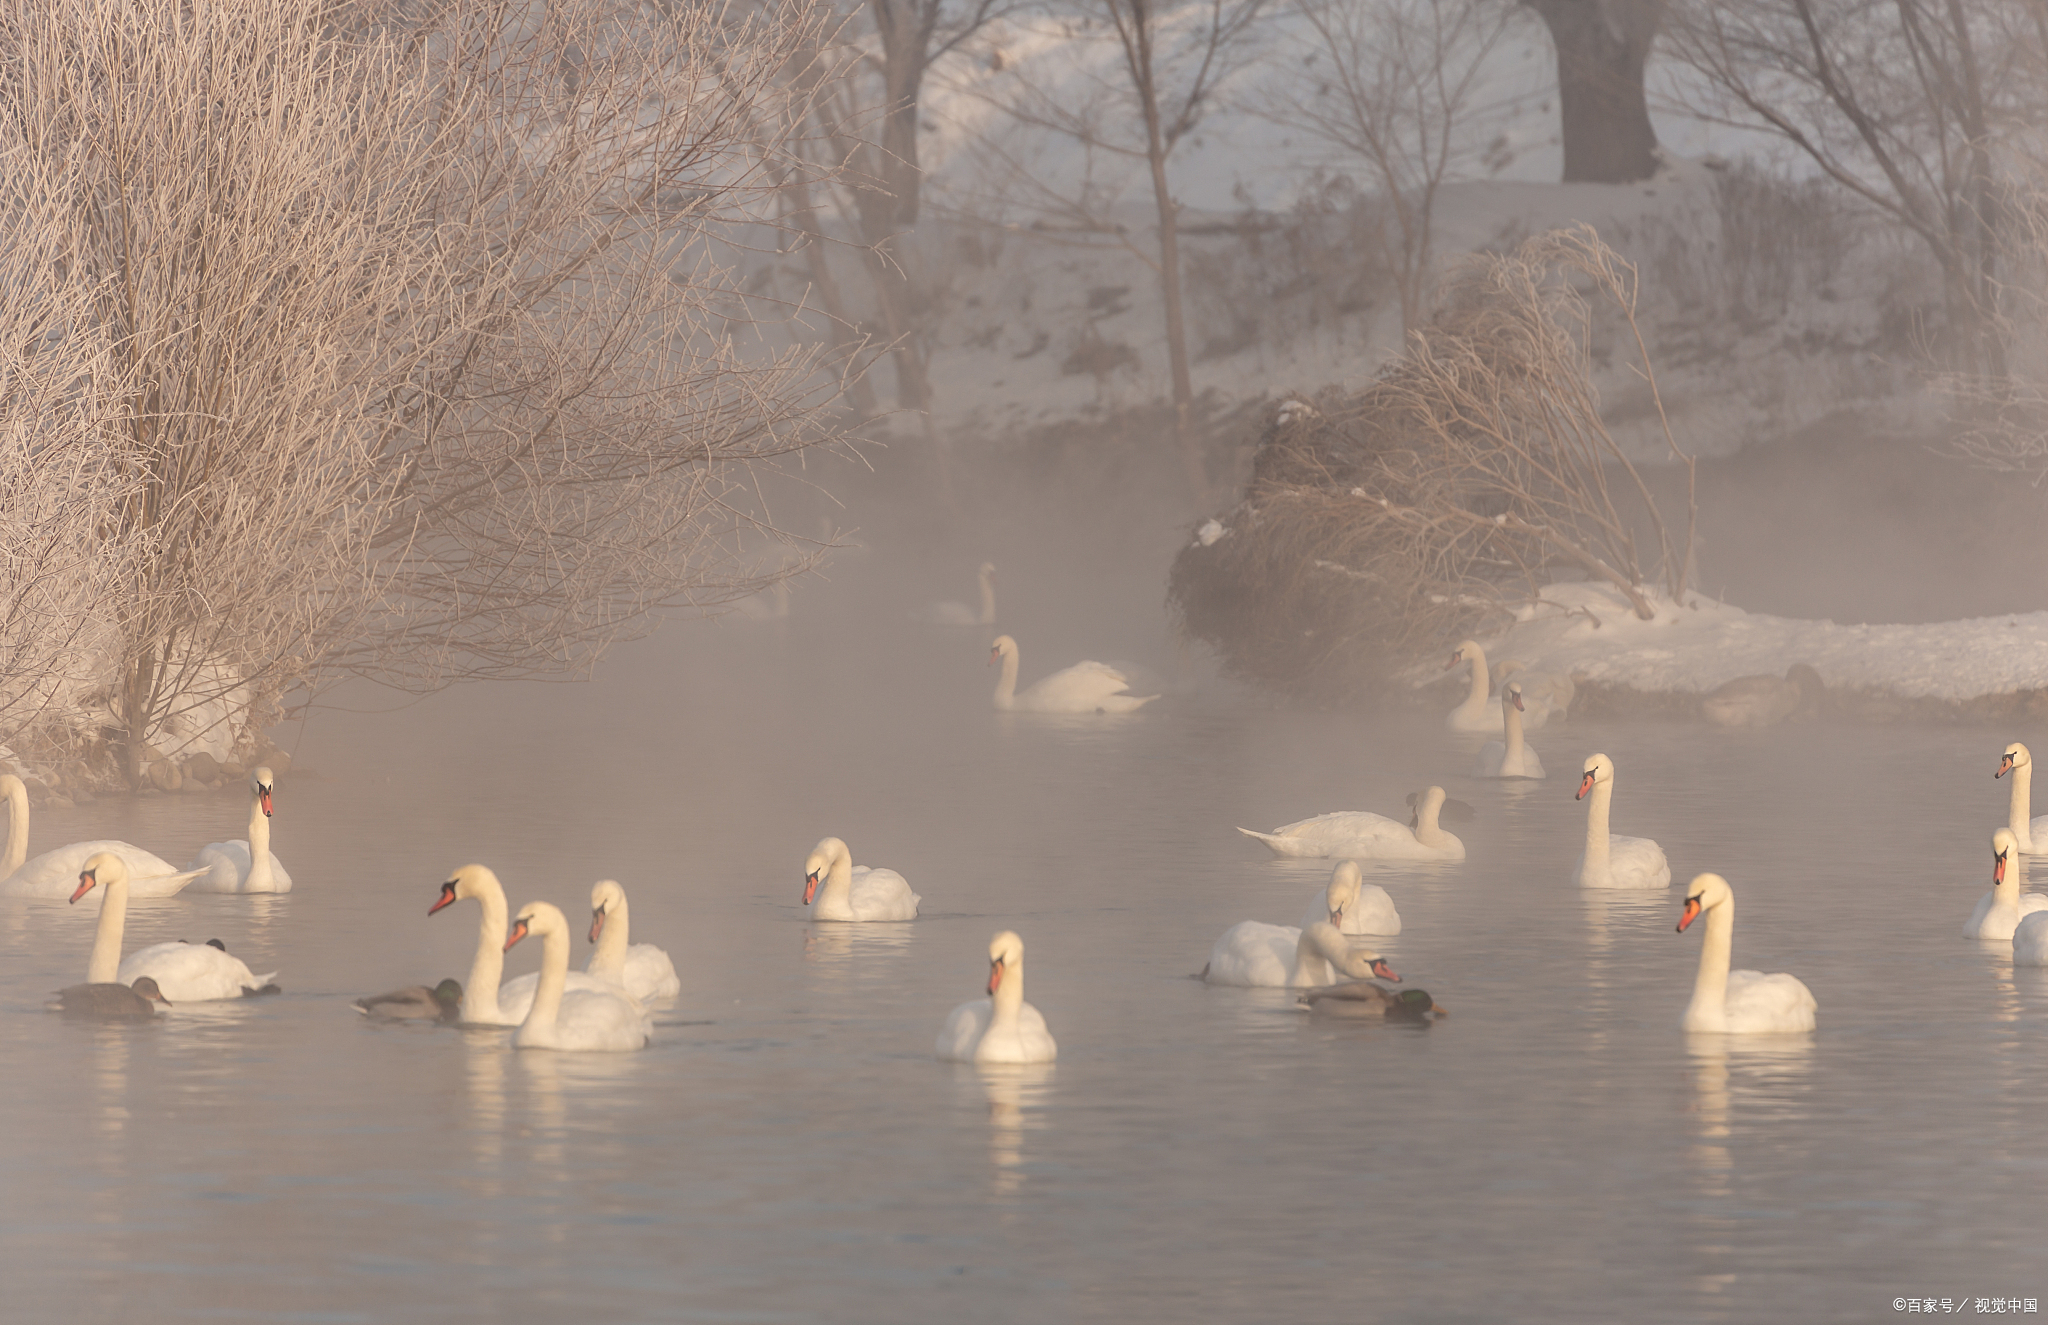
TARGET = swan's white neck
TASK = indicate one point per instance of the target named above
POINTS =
(835, 899)
(554, 978)
(611, 940)
(1475, 698)
(2005, 894)
(1006, 687)
(2022, 824)
(1511, 723)
(259, 845)
(1709, 1008)
(1008, 1002)
(988, 599)
(1312, 963)
(106, 941)
(1428, 830)
(1598, 801)
(480, 995)
(17, 828)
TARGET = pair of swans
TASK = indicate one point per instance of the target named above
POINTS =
(2001, 911)
(220, 867)
(1513, 757)
(1611, 860)
(2026, 829)
(183, 972)
(835, 889)
(582, 1009)
(952, 613)
(1086, 687)
(1736, 1002)
(1253, 955)
(1353, 905)
(1001, 1028)
(1545, 696)
(1363, 835)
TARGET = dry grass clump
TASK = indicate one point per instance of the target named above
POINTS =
(1472, 474)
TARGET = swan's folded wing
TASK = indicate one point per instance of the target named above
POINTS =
(962, 1033)
(1776, 1003)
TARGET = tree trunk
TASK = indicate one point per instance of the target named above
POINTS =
(1602, 47)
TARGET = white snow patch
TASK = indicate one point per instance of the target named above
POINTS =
(1210, 532)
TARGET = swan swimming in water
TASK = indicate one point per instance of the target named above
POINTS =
(1001, 1028)
(835, 889)
(1353, 905)
(1363, 835)
(1611, 860)
(1738, 1002)
(606, 1020)
(247, 866)
(2000, 911)
(641, 969)
(1512, 758)
(1259, 956)
(184, 972)
(55, 873)
(952, 613)
(2025, 827)
(1086, 687)
(485, 1000)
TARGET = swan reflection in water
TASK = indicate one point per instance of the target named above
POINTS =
(1016, 1098)
(861, 952)
(1742, 1084)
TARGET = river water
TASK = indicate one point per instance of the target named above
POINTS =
(788, 1149)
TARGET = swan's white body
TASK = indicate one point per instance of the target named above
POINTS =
(1512, 758)
(1353, 905)
(2030, 940)
(488, 999)
(1086, 687)
(1001, 1028)
(2026, 829)
(641, 969)
(1763, 701)
(605, 1020)
(248, 866)
(960, 614)
(55, 873)
(2000, 911)
(1259, 956)
(1610, 860)
(1363, 835)
(184, 972)
(835, 890)
(1737, 1002)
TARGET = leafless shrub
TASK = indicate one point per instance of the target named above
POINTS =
(1473, 473)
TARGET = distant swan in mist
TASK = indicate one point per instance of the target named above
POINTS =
(1765, 701)
(184, 972)
(952, 613)
(836, 889)
(248, 866)
(1353, 905)
(1260, 956)
(1738, 1002)
(1001, 1028)
(1086, 687)
(2025, 828)
(55, 873)
(2000, 911)
(1512, 758)
(485, 1002)
(599, 1020)
(1363, 835)
(1611, 860)
(641, 969)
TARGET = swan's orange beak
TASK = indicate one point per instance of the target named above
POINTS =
(810, 886)
(2004, 767)
(518, 933)
(1337, 919)
(596, 923)
(995, 976)
(994, 654)
(1384, 971)
(85, 883)
(1692, 913)
(447, 896)
(1456, 655)
(1585, 785)
(1997, 870)
(1516, 695)
(263, 799)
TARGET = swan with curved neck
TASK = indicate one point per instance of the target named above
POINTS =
(1739, 1002)
(1511, 758)
(487, 998)
(1353, 905)
(1363, 835)
(641, 969)
(1475, 714)
(835, 889)
(246, 866)
(2000, 911)
(183, 972)
(1086, 687)
(1610, 860)
(1001, 1028)
(2026, 830)
(603, 1020)
(54, 873)
(1259, 956)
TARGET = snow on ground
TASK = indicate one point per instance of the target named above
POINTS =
(1706, 643)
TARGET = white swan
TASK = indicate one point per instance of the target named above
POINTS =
(2000, 911)
(604, 1020)
(853, 894)
(1086, 687)
(55, 873)
(1001, 1028)
(184, 972)
(2030, 940)
(960, 614)
(1765, 701)
(1353, 905)
(487, 998)
(225, 867)
(1512, 758)
(1611, 860)
(2025, 828)
(1259, 956)
(642, 969)
(1363, 835)
(1737, 1002)
(1474, 714)
(1545, 695)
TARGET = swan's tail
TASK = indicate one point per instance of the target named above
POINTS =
(265, 985)
(166, 885)
(1281, 846)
